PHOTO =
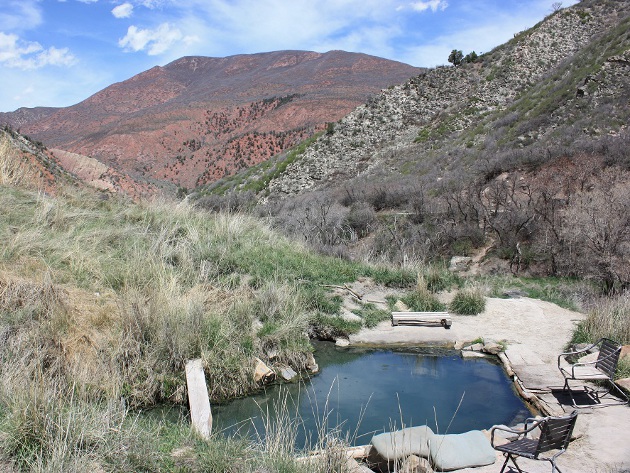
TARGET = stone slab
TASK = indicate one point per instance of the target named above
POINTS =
(200, 413)
(541, 378)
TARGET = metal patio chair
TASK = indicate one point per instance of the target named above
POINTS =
(555, 433)
(601, 369)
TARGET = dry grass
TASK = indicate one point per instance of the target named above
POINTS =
(610, 318)
(15, 169)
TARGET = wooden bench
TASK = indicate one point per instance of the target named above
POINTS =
(422, 318)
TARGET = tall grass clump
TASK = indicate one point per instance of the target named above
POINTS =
(468, 302)
(439, 278)
(422, 300)
(609, 318)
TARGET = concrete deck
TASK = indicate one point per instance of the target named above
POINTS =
(535, 333)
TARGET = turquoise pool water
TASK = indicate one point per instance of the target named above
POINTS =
(361, 392)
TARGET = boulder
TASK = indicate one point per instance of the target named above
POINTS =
(287, 373)
(415, 464)
(400, 306)
(459, 263)
(458, 451)
(342, 342)
(402, 443)
(354, 466)
(349, 316)
(493, 348)
(625, 352)
(311, 364)
(624, 383)
(262, 373)
(502, 434)
(589, 358)
(474, 347)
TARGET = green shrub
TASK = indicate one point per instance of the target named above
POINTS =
(423, 301)
(438, 279)
(372, 315)
(332, 326)
(468, 302)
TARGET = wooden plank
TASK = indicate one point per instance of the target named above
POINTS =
(200, 413)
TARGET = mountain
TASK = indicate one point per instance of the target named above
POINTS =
(456, 110)
(520, 154)
(198, 119)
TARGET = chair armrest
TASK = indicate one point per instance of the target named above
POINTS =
(519, 433)
(593, 345)
(571, 353)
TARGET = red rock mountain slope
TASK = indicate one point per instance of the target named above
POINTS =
(198, 119)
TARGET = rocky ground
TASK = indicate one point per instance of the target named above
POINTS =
(534, 332)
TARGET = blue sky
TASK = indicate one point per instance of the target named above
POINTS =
(59, 52)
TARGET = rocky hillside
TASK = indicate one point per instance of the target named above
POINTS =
(29, 164)
(518, 158)
(198, 119)
(430, 111)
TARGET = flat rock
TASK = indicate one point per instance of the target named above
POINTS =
(198, 399)
(473, 354)
(492, 348)
(287, 373)
(415, 464)
(624, 383)
(262, 373)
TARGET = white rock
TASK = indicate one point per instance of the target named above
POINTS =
(287, 373)
(200, 413)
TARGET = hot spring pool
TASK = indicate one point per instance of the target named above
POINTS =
(360, 392)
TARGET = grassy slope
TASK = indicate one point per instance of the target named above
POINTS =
(102, 299)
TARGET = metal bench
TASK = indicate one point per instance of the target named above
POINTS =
(422, 319)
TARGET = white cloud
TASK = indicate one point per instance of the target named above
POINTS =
(433, 5)
(20, 15)
(123, 11)
(154, 41)
(29, 55)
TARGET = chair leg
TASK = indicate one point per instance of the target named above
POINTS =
(568, 388)
(554, 467)
(505, 462)
(619, 392)
(613, 390)
(508, 457)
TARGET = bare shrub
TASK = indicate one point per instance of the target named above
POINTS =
(231, 202)
(597, 229)
(360, 218)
